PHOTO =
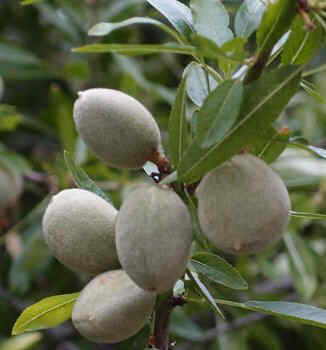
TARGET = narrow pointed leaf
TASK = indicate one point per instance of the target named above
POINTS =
(105, 28)
(82, 180)
(264, 100)
(47, 313)
(304, 215)
(302, 43)
(137, 49)
(178, 14)
(219, 112)
(276, 21)
(272, 145)
(205, 292)
(178, 123)
(306, 314)
(218, 270)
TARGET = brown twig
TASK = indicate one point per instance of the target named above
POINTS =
(162, 319)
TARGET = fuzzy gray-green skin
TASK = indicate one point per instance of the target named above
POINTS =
(153, 237)
(118, 128)
(11, 186)
(243, 205)
(78, 227)
(112, 308)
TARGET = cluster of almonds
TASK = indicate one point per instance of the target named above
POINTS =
(141, 250)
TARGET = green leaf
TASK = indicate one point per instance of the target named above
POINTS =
(273, 143)
(135, 49)
(177, 123)
(17, 55)
(30, 2)
(218, 270)
(219, 112)
(178, 14)
(302, 264)
(208, 48)
(276, 21)
(47, 313)
(302, 43)
(211, 20)
(204, 292)
(264, 100)
(61, 107)
(303, 215)
(248, 17)
(82, 180)
(106, 28)
(306, 314)
(232, 48)
(199, 83)
(21, 342)
(9, 118)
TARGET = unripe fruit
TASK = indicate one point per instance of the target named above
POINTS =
(78, 227)
(153, 237)
(112, 308)
(11, 186)
(118, 128)
(243, 205)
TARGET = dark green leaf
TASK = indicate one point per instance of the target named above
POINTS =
(47, 313)
(177, 123)
(263, 102)
(178, 14)
(135, 49)
(302, 43)
(219, 112)
(61, 107)
(272, 144)
(208, 48)
(276, 21)
(106, 28)
(218, 270)
(211, 20)
(233, 48)
(82, 180)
